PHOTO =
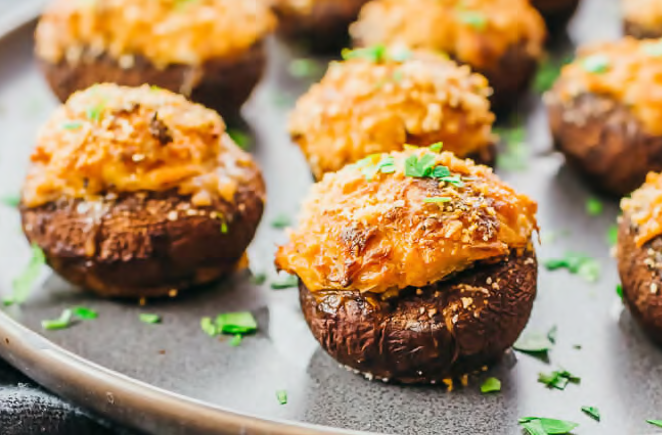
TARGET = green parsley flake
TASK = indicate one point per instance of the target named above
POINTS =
(437, 199)
(286, 281)
(149, 318)
(592, 412)
(436, 147)
(84, 313)
(597, 63)
(425, 168)
(236, 323)
(11, 200)
(558, 379)
(619, 290)
(594, 207)
(578, 264)
(491, 385)
(72, 125)
(281, 395)
(208, 326)
(258, 278)
(376, 53)
(281, 221)
(475, 19)
(533, 343)
(22, 284)
(94, 113)
(63, 322)
(546, 426)
(236, 340)
(612, 235)
(242, 139)
(224, 227)
(551, 334)
(548, 72)
(657, 423)
(374, 164)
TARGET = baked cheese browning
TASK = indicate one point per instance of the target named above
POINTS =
(644, 209)
(404, 219)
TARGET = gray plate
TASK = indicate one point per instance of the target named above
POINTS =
(172, 378)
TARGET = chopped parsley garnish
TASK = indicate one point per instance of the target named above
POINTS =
(558, 379)
(94, 113)
(619, 290)
(240, 138)
(592, 412)
(594, 207)
(548, 72)
(578, 264)
(437, 199)
(236, 340)
(72, 125)
(281, 395)
(597, 63)
(241, 322)
(84, 313)
(224, 227)
(258, 278)
(475, 19)
(376, 53)
(551, 334)
(23, 283)
(490, 385)
(62, 322)
(612, 235)
(11, 200)
(149, 318)
(375, 163)
(285, 281)
(301, 68)
(281, 221)
(425, 168)
(657, 423)
(436, 147)
(654, 50)
(208, 326)
(546, 426)
(534, 343)
(514, 156)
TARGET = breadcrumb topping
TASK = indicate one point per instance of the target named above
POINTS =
(477, 32)
(644, 209)
(364, 106)
(383, 230)
(110, 139)
(628, 71)
(188, 32)
(645, 13)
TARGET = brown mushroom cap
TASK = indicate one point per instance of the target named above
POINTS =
(379, 99)
(426, 335)
(137, 192)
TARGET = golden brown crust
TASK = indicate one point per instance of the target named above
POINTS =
(111, 139)
(145, 244)
(628, 71)
(163, 31)
(643, 18)
(479, 32)
(644, 209)
(362, 107)
(640, 269)
(394, 231)
(323, 24)
(223, 84)
(425, 335)
(604, 141)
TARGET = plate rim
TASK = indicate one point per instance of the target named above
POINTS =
(111, 394)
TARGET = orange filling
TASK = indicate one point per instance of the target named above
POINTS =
(477, 32)
(628, 71)
(644, 208)
(111, 139)
(372, 228)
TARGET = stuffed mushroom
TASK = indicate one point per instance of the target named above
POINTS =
(557, 13)
(321, 25)
(211, 51)
(501, 39)
(137, 192)
(378, 99)
(642, 18)
(639, 255)
(604, 113)
(414, 266)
